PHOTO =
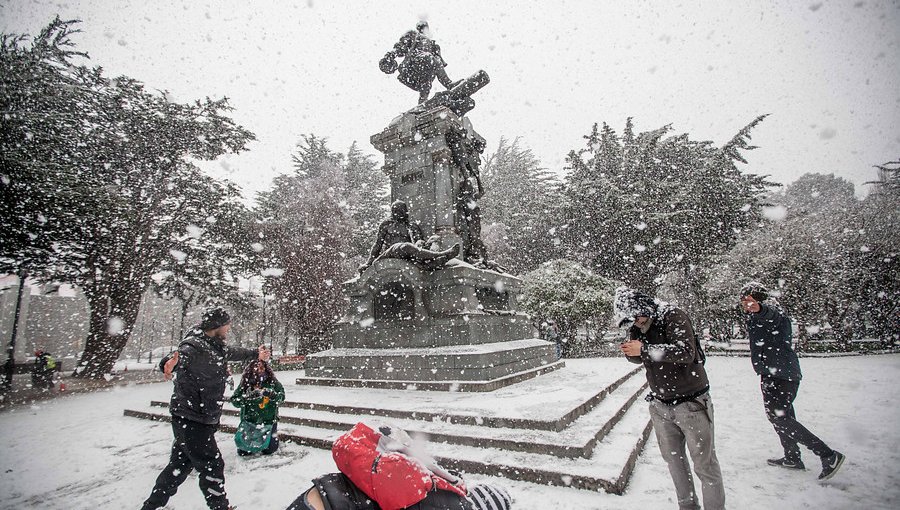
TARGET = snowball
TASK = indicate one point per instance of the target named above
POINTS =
(115, 325)
(178, 255)
(195, 232)
(774, 213)
(273, 271)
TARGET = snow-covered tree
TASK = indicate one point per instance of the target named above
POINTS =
(570, 294)
(365, 196)
(520, 208)
(642, 206)
(305, 228)
(831, 258)
(97, 185)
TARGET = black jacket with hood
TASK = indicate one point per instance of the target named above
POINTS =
(770, 343)
(200, 376)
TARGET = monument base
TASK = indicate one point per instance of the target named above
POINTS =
(485, 367)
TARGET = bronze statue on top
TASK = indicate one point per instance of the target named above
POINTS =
(398, 238)
(422, 63)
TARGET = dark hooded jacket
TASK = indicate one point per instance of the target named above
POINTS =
(339, 493)
(200, 376)
(670, 355)
(770, 343)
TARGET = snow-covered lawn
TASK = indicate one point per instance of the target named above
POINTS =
(80, 452)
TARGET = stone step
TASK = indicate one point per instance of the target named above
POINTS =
(558, 423)
(609, 466)
(578, 439)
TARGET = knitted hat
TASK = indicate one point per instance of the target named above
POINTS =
(489, 497)
(756, 291)
(630, 303)
(214, 318)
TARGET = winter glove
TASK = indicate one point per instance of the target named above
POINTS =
(268, 393)
(255, 394)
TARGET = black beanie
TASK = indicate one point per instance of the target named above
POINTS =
(756, 291)
(214, 318)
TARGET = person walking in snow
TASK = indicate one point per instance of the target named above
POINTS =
(43, 370)
(776, 363)
(660, 336)
(258, 397)
(552, 335)
(200, 368)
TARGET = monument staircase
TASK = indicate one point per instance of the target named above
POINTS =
(589, 442)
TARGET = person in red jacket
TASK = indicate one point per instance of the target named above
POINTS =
(334, 491)
(382, 469)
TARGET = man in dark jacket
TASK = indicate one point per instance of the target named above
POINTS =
(200, 366)
(662, 339)
(775, 361)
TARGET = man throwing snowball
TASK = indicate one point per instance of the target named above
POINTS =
(200, 368)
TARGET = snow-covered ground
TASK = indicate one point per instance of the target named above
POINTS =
(80, 451)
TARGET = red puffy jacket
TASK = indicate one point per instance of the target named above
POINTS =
(393, 480)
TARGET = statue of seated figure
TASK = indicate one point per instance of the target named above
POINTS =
(400, 239)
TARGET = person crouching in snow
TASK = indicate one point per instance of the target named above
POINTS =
(258, 397)
(776, 363)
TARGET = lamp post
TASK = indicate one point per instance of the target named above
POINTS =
(11, 350)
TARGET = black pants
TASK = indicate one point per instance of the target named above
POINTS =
(778, 398)
(194, 448)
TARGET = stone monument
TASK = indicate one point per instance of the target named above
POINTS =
(414, 322)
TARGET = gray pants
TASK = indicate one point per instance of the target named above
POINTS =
(690, 423)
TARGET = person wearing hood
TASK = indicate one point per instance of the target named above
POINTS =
(661, 337)
(776, 363)
(200, 366)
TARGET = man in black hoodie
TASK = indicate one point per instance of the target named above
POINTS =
(776, 363)
(200, 366)
(661, 337)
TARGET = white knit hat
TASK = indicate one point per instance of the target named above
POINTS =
(489, 497)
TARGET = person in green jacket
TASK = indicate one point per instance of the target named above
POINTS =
(258, 397)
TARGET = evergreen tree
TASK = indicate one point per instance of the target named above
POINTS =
(366, 195)
(642, 207)
(305, 228)
(97, 185)
(520, 208)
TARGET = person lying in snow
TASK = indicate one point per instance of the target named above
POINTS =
(382, 469)
(258, 397)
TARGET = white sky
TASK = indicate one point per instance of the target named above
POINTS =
(827, 71)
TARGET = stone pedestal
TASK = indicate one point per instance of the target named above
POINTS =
(409, 326)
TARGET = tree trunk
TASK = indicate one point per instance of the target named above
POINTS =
(102, 349)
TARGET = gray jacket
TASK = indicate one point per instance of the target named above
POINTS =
(200, 376)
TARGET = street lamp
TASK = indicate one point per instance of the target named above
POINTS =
(11, 350)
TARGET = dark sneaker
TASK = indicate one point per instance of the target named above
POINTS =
(831, 464)
(787, 464)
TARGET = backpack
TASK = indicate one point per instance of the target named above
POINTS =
(392, 479)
